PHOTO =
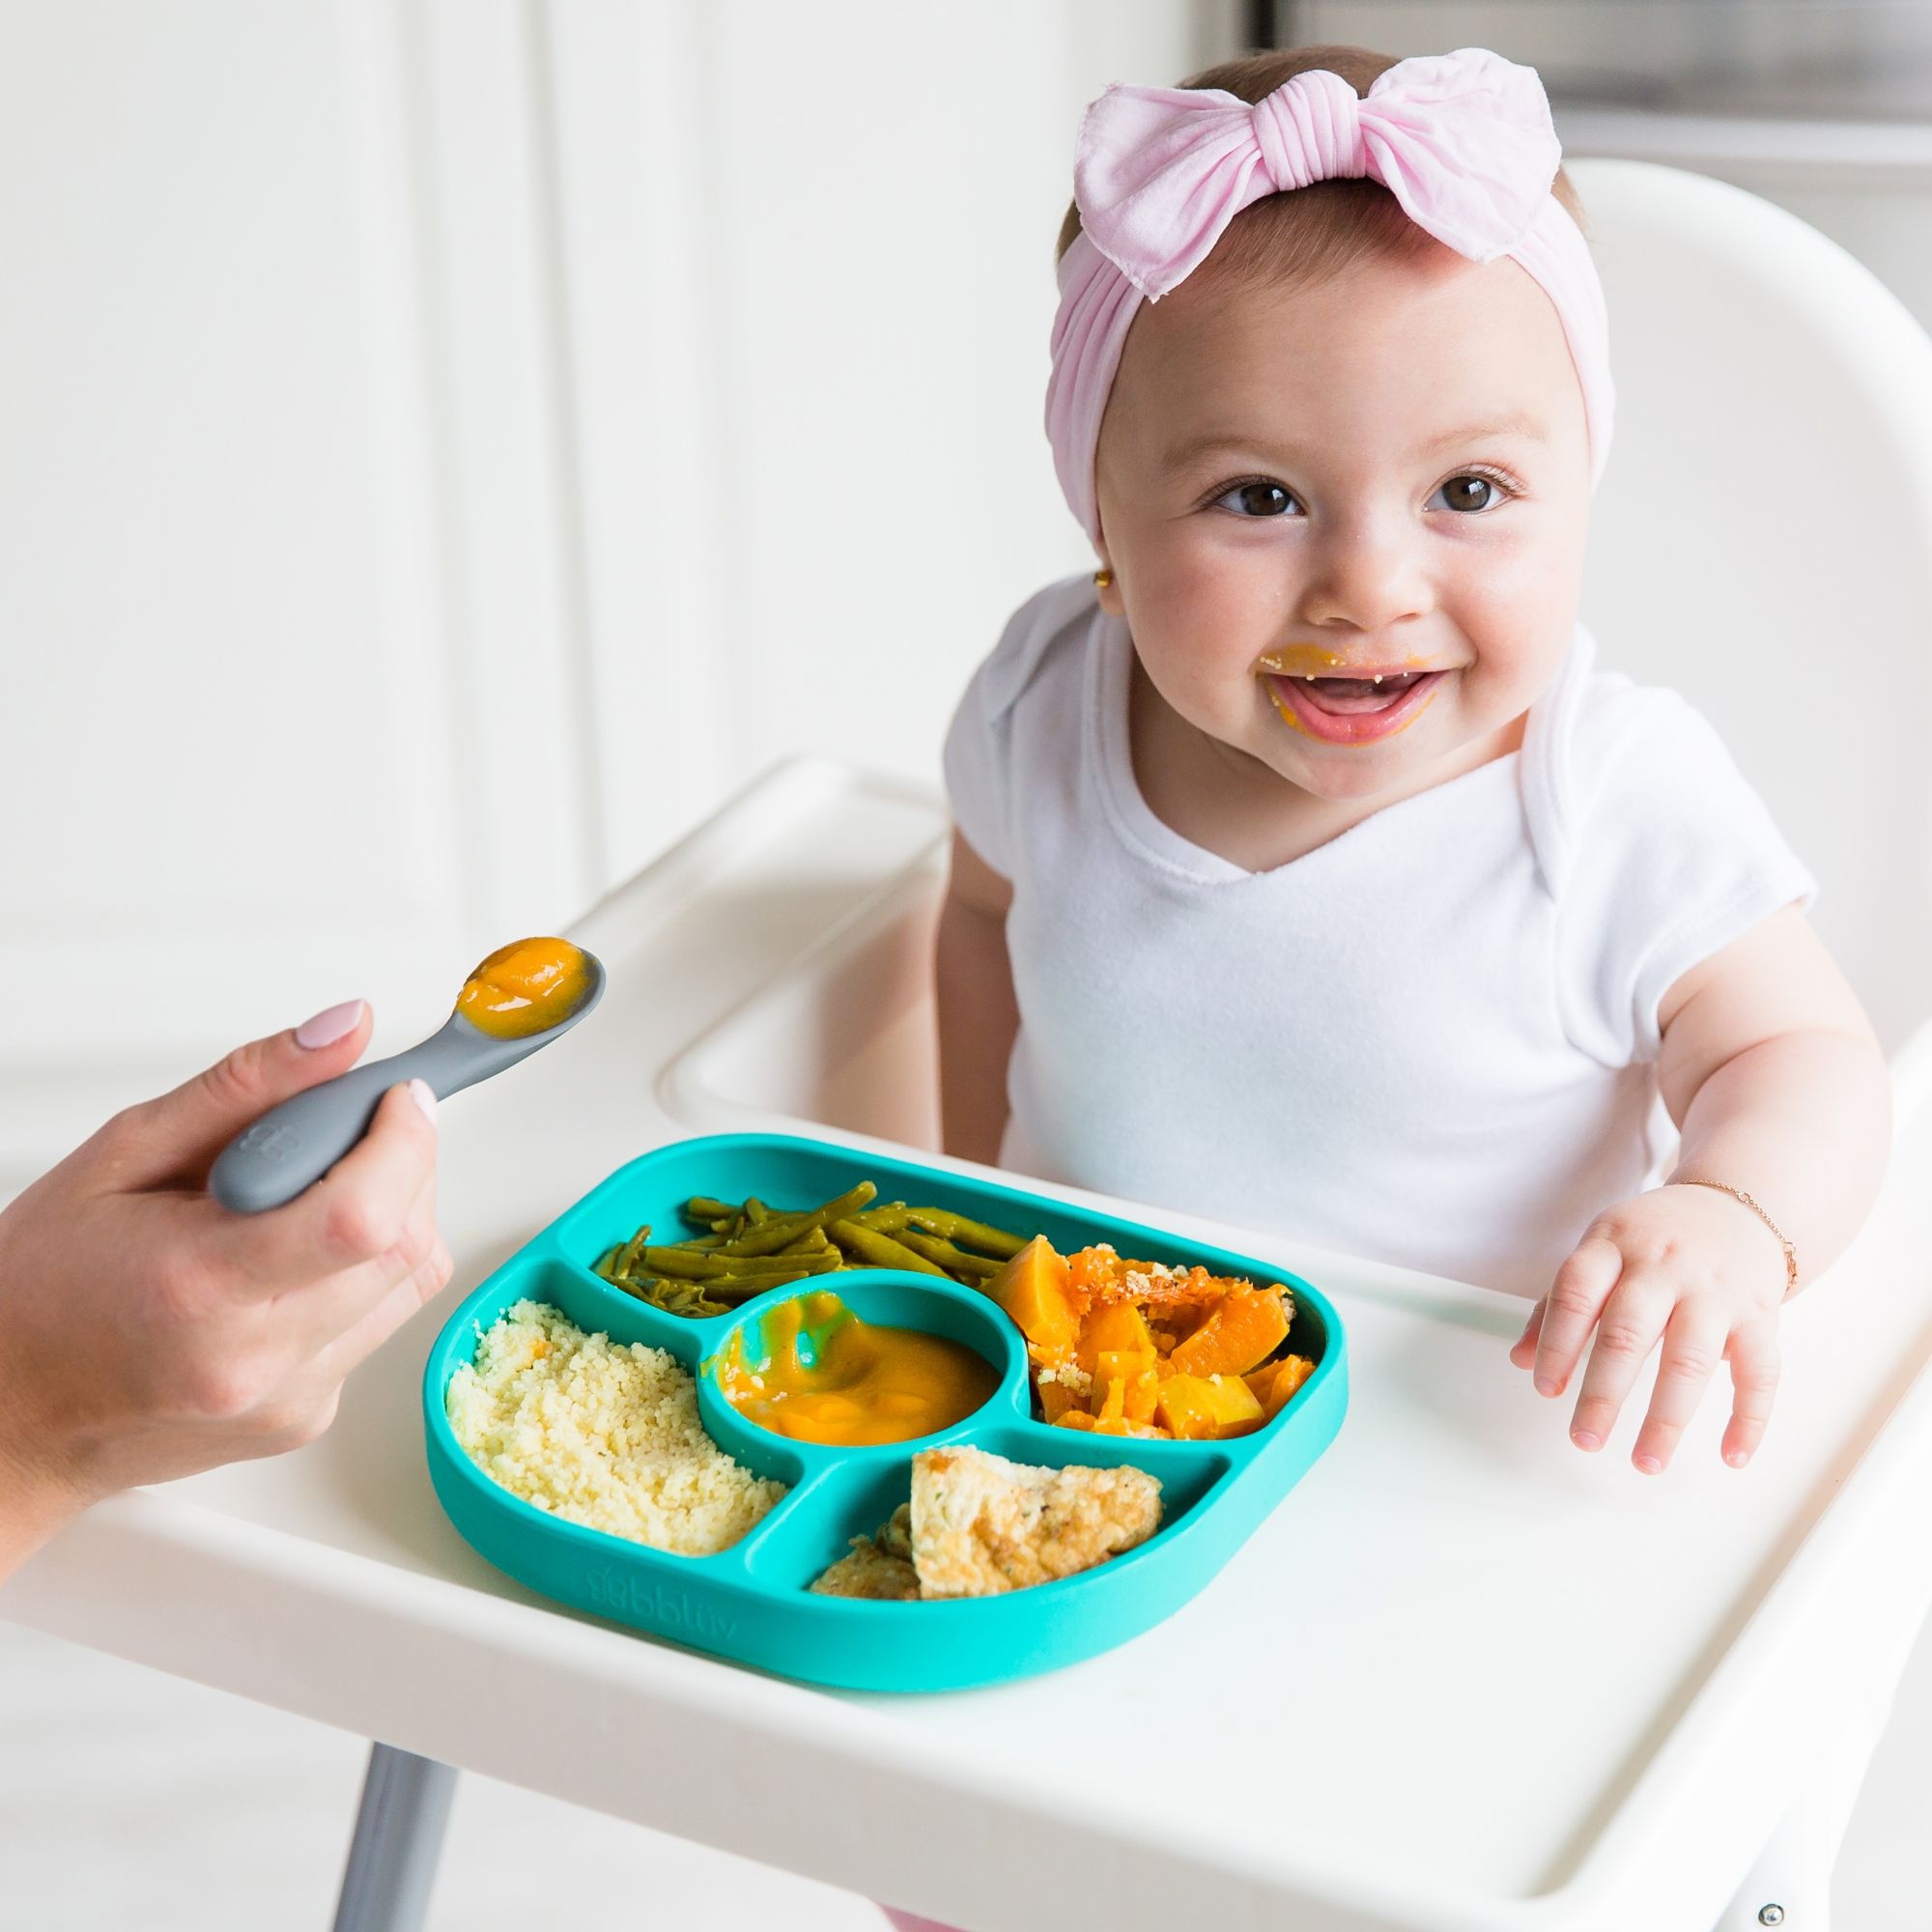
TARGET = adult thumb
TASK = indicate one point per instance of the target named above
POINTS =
(175, 1137)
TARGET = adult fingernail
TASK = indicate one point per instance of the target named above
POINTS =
(1546, 1384)
(1736, 1458)
(1584, 1439)
(330, 1025)
(1649, 1464)
(419, 1091)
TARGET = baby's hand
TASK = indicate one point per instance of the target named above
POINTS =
(1685, 1263)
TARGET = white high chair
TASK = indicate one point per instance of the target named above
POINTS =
(1762, 541)
(1762, 538)
(1470, 1681)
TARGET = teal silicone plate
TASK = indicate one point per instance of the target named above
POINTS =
(751, 1602)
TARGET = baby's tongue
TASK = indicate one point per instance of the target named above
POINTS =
(1357, 694)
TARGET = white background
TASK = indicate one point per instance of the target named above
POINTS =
(447, 447)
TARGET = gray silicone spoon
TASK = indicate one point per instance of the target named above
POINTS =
(299, 1141)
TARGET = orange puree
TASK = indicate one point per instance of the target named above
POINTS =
(832, 1377)
(521, 989)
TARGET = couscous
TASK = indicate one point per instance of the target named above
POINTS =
(602, 1434)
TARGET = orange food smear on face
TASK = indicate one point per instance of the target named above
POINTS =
(830, 1377)
(1299, 661)
(525, 988)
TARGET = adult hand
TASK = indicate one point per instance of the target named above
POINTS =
(146, 1332)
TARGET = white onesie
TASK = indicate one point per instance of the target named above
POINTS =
(1430, 1041)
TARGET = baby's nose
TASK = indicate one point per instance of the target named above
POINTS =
(1367, 579)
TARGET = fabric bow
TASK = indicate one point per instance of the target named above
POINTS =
(1463, 141)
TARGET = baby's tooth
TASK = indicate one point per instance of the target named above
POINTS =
(1377, 680)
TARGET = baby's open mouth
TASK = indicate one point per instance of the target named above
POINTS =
(1346, 695)
(1352, 710)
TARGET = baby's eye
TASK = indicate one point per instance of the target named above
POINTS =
(1470, 494)
(1254, 499)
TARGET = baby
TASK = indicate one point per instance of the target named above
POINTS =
(1307, 872)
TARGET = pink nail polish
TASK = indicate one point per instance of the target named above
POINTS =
(330, 1025)
(419, 1092)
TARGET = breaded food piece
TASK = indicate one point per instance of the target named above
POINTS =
(982, 1525)
(870, 1571)
(895, 1535)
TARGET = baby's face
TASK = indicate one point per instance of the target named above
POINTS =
(1301, 490)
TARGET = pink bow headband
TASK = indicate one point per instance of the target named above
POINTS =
(1463, 141)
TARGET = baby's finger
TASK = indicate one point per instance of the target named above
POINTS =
(353, 1215)
(1631, 1320)
(1571, 1308)
(1693, 1345)
(1754, 1369)
(1523, 1350)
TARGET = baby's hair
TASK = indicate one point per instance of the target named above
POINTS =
(1319, 230)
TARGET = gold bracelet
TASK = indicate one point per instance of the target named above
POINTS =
(1778, 1235)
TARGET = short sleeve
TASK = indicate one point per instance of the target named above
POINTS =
(1671, 855)
(980, 779)
(976, 764)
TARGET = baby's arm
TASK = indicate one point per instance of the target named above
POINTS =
(978, 1017)
(1776, 1082)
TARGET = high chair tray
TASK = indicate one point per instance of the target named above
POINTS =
(1465, 1679)
(751, 1602)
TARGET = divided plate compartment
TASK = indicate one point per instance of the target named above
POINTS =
(751, 1602)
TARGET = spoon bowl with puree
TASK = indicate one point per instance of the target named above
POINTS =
(520, 998)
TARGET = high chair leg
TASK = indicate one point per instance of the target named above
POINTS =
(1790, 1883)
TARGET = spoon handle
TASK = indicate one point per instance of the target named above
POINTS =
(297, 1142)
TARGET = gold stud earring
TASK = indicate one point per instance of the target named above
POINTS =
(1102, 577)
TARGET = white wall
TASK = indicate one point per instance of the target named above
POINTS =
(447, 446)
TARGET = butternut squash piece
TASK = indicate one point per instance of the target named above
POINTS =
(1033, 1289)
(1279, 1382)
(1111, 1406)
(1247, 1327)
(1200, 1408)
(1074, 1418)
(1056, 1398)
(1120, 1329)
(1121, 1426)
(1135, 1379)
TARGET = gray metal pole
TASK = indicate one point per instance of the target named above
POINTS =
(392, 1858)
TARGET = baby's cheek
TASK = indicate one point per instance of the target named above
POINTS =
(1199, 624)
(1518, 616)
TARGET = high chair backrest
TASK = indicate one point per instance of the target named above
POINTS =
(1762, 539)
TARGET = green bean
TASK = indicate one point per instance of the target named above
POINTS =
(682, 1264)
(886, 1220)
(880, 1250)
(755, 1212)
(971, 1234)
(770, 1235)
(954, 1261)
(674, 1297)
(623, 1257)
(701, 1207)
